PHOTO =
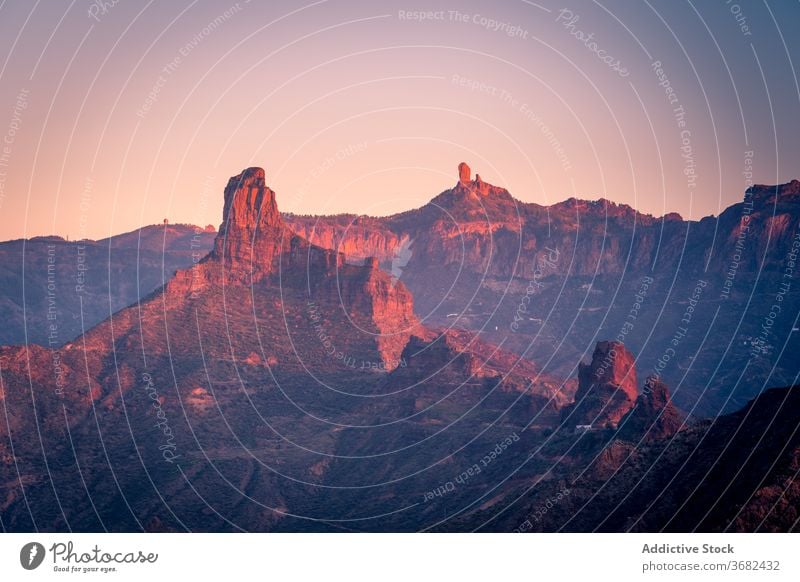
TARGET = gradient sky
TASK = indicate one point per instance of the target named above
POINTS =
(352, 107)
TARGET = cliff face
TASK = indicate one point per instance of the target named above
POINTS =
(254, 247)
(252, 232)
(607, 388)
(358, 237)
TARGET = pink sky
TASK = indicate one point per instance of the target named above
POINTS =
(354, 107)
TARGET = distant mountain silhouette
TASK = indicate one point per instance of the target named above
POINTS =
(51, 289)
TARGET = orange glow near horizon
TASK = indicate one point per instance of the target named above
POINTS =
(129, 116)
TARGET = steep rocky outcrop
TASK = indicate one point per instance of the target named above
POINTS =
(253, 242)
(252, 232)
(255, 247)
(464, 173)
(607, 388)
(653, 416)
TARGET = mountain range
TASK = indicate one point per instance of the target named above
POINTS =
(422, 371)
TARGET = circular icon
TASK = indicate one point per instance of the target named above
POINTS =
(31, 555)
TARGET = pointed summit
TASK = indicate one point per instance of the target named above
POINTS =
(477, 187)
(464, 173)
(249, 203)
(254, 245)
(251, 229)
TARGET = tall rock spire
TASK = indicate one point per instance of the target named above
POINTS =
(254, 245)
(606, 387)
(464, 173)
(476, 187)
(252, 229)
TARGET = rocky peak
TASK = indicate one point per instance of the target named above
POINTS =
(606, 387)
(464, 173)
(251, 229)
(249, 202)
(475, 189)
(613, 364)
(253, 244)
